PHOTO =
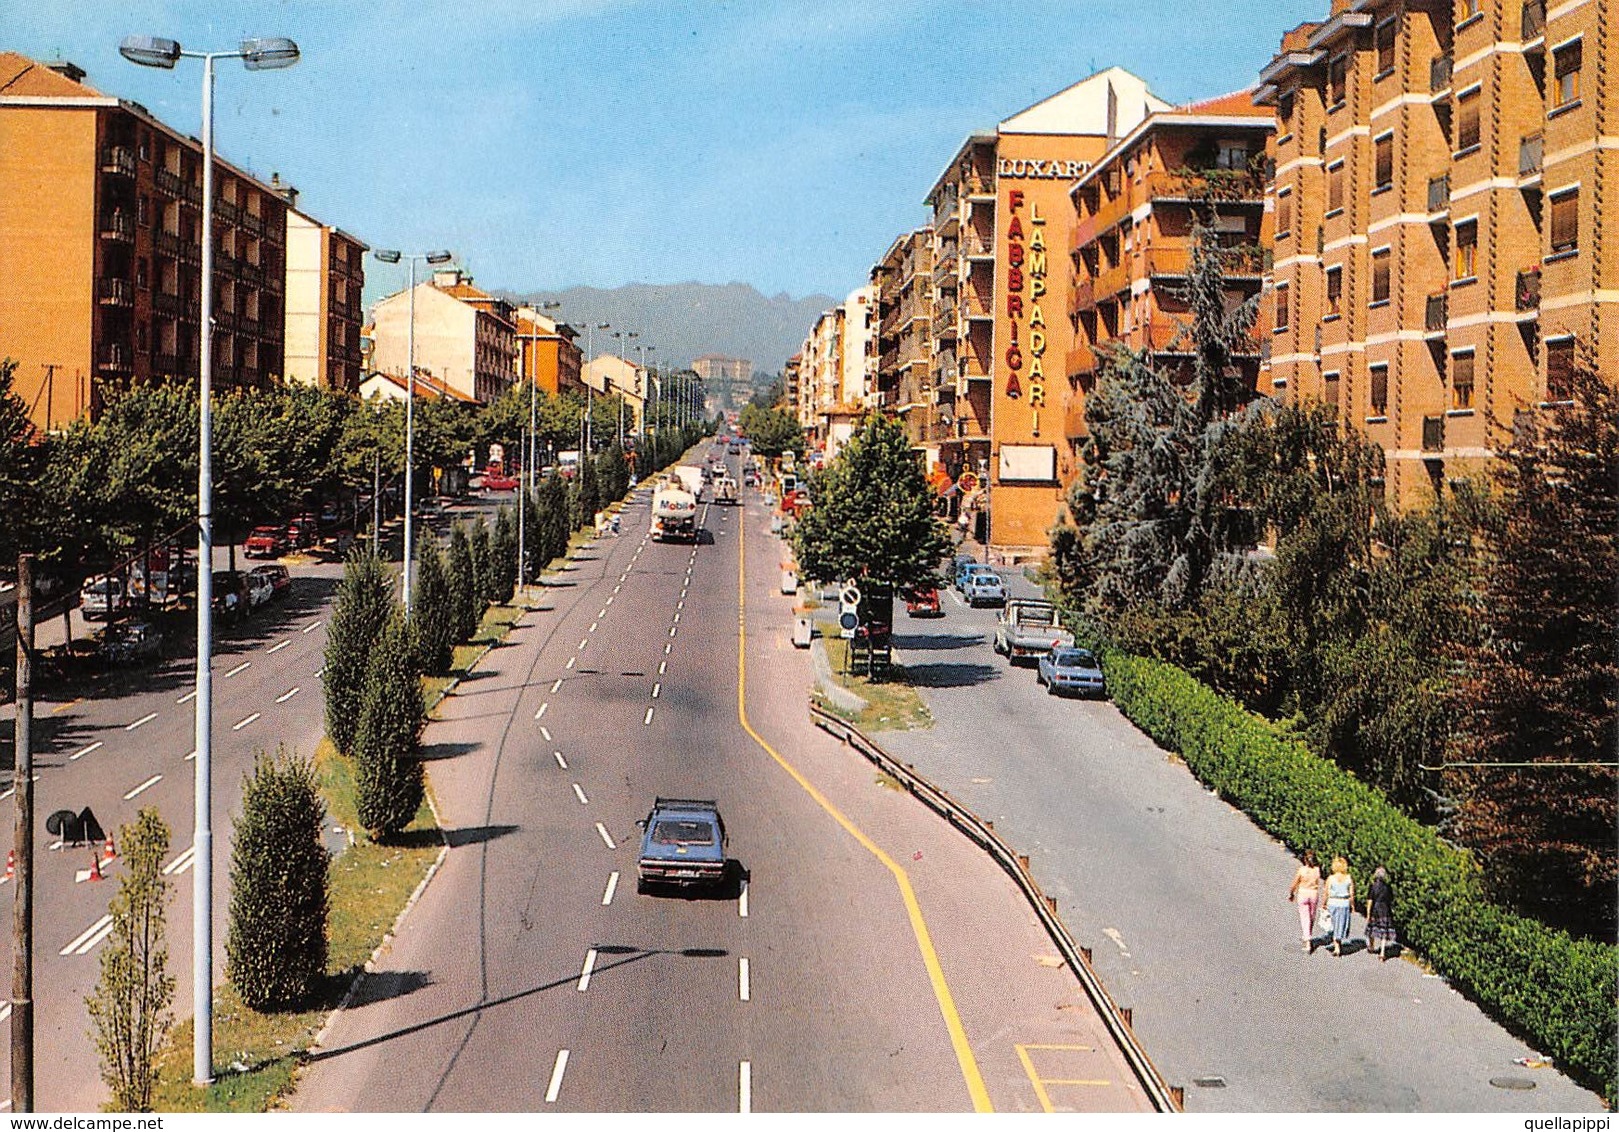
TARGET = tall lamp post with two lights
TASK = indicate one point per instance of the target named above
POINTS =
(436, 258)
(266, 54)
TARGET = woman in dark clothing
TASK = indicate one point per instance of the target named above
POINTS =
(1380, 914)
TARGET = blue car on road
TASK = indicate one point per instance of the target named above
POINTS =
(1066, 669)
(682, 845)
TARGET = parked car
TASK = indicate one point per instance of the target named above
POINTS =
(1068, 669)
(232, 601)
(682, 845)
(1028, 629)
(966, 570)
(265, 541)
(129, 641)
(101, 599)
(923, 602)
(280, 581)
(259, 590)
(303, 531)
(985, 588)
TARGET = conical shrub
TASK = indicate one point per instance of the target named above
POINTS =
(363, 603)
(433, 615)
(387, 763)
(463, 584)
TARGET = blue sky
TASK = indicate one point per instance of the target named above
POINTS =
(602, 142)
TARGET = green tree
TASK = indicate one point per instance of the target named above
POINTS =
(130, 1006)
(504, 547)
(873, 515)
(463, 584)
(534, 550)
(275, 947)
(771, 431)
(433, 614)
(553, 525)
(483, 565)
(387, 764)
(1539, 696)
(22, 466)
(364, 600)
(590, 500)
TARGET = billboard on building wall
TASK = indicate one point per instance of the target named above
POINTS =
(1028, 463)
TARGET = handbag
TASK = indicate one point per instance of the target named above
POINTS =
(1323, 920)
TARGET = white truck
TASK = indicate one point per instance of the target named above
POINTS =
(1028, 628)
(691, 478)
(725, 490)
(674, 511)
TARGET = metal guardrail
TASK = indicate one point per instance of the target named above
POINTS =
(1164, 1097)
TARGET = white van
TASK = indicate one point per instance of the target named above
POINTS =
(101, 598)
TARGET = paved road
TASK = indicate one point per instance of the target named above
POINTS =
(532, 975)
(1182, 901)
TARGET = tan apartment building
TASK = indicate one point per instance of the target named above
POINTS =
(548, 353)
(792, 375)
(101, 249)
(821, 378)
(838, 378)
(324, 311)
(1135, 217)
(465, 337)
(610, 375)
(728, 380)
(1442, 253)
(903, 279)
(1001, 221)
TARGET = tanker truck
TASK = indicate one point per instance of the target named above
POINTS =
(674, 512)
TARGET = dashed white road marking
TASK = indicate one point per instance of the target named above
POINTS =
(5, 1012)
(579, 792)
(279, 647)
(744, 985)
(673, 629)
(593, 626)
(243, 723)
(679, 605)
(618, 587)
(82, 751)
(584, 973)
(677, 619)
(600, 613)
(662, 666)
(148, 784)
(666, 648)
(557, 685)
(742, 902)
(242, 667)
(321, 671)
(545, 734)
(607, 603)
(85, 940)
(607, 837)
(188, 697)
(570, 662)
(12, 790)
(541, 710)
(744, 1088)
(648, 718)
(311, 627)
(655, 690)
(147, 718)
(192, 756)
(582, 644)
(561, 762)
(612, 887)
(287, 695)
(557, 1071)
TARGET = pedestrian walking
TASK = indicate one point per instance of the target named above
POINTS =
(1306, 893)
(1340, 902)
(1380, 914)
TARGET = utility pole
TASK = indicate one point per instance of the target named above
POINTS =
(22, 914)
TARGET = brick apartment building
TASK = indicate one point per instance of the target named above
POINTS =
(904, 282)
(548, 353)
(1442, 254)
(101, 252)
(465, 336)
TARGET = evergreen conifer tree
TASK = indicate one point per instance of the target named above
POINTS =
(276, 945)
(387, 765)
(463, 584)
(590, 500)
(504, 546)
(553, 503)
(534, 536)
(483, 565)
(361, 610)
(435, 619)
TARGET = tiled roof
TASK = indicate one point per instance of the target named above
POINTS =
(1239, 102)
(20, 75)
(426, 386)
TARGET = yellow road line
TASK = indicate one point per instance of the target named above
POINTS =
(1075, 1081)
(63, 707)
(924, 940)
(1034, 1079)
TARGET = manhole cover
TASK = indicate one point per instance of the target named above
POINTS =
(1522, 1084)
(1209, 1082)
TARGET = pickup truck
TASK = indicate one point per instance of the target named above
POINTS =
(1028, 627)
(682, 845)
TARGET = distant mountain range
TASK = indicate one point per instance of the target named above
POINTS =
(687, 320)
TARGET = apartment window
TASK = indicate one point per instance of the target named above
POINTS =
(1335, 291)
(1466, 249)
(1469, 9)
(1461, 380)
(141, 274)
(1232, 155)
(1337, 81)
(1284, 213)
(1467, 127)
(1283, 293)
(1335, 188)
(1559, 369)
(1566, 221)
(1385, 47)
(1381, 260)
(1284, 111)
(1329, 390)
(1380, 389)
(1566, 69)
(1385, 161)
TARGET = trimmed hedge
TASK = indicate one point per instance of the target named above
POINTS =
(1555, 992)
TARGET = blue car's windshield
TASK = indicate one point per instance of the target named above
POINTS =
(1075, 658)
(677, 832)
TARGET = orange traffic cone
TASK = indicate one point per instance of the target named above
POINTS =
(95, 868)
(11, 865)
(108, 853)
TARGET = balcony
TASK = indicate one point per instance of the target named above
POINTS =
(977, 246)
(977, 184)
(168, 365)
(1084, 297)
(114, 358)
(1197, 185)
(1111, 280)
(1436, 314)
(165, 302)
(177, 186)
(115, 292)
(1533, 25)
(253, 222)
(228, 211)
(1243, 262)
(1433, 434)
(1439, 71)
(976, 305)
(1531, 155)
(1073, 420)
(1526, 295)
(118, 159)
(1438, 195)
(944, 324)
(1081, 360)
(118, 227)
(945, 222)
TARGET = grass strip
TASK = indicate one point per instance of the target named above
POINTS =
(892, 704)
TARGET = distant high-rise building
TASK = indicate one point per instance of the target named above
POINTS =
(729, 381)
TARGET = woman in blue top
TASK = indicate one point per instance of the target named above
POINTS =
(1340, 902)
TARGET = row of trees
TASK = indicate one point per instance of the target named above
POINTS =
(771, 429)
(1457, 655)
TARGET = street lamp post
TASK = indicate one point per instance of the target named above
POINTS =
(256, 55)
(625, 335)
(389, 255)
(590, 356)
(649, 388)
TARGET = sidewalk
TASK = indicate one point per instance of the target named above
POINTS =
(1183, 903)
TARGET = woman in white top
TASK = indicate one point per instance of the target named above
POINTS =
(1306, 893)
(1340, 902)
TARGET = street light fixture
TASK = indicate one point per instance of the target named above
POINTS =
(267, 54)
(436, 258)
